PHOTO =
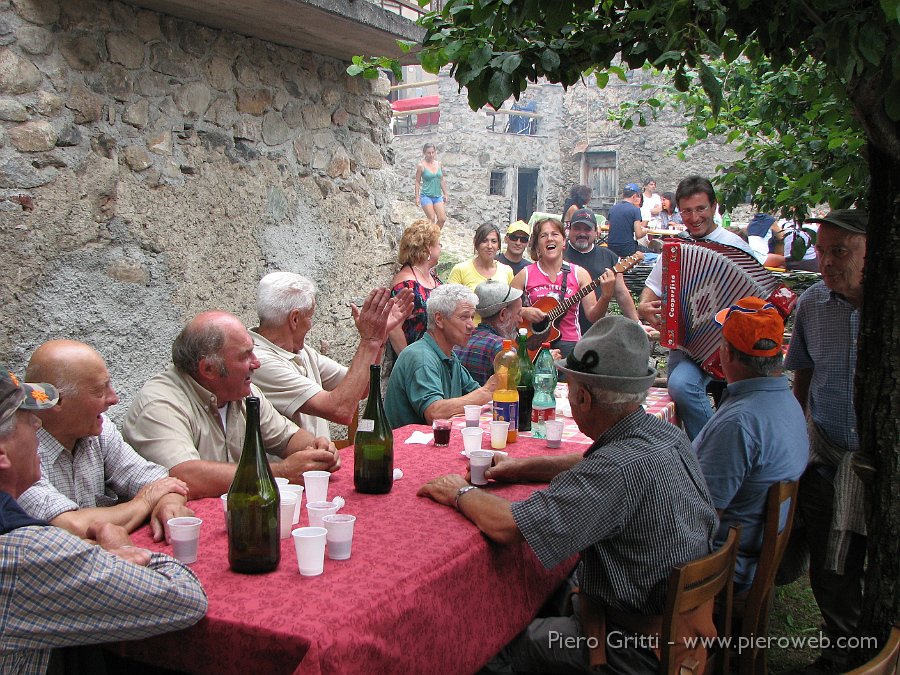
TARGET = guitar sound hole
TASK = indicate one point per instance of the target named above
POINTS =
(540, 326)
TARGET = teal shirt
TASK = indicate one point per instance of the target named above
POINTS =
(431, 182)
(422, 375)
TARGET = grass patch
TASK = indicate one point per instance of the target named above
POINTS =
(794, 614)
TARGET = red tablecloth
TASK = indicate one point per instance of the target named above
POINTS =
(424, 592)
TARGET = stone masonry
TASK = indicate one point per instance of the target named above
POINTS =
(152, 168)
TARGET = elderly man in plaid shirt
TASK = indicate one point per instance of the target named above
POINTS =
(634, 506)
(89, 474)
(57, 590)
(500, 309)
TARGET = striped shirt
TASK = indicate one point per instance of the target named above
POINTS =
(826, 329)
(58, 591)
(102, 471)
(635, 506)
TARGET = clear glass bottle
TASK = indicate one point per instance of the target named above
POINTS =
(506, 396)
(543, 407)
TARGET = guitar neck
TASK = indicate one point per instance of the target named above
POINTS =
(564, 306)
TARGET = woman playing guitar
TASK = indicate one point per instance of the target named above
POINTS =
(545, 279)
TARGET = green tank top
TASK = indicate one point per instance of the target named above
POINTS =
(431, 182)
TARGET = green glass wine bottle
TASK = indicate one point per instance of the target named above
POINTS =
(373, 445)
(253, 504)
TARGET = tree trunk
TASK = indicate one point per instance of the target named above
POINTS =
(878, 396)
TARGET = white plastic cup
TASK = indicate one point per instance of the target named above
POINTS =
(315, 511)
(224, 499)
(473, 415)
(316, 483)
(309, 543)
(282, 481)
(479, 461)
(554, 433)
(287, 505)
(185, 535)
(297, 490)
(472, 438)
(340, 535)
(498, 434)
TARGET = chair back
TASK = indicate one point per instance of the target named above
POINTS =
(753, 609)
(887, 661)
(691, 586)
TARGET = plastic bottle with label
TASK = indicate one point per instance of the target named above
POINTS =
(543, 406)
(506, 396)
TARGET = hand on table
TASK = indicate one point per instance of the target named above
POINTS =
(169, 506)
(443, 489)
(115, 539)
(320, 456)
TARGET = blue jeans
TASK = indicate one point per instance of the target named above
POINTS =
(687, 387)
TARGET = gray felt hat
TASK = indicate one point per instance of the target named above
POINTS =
(613, 354)
(852, 220)
(493, 296)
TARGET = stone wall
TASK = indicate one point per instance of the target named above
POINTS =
(570, 118)
(152, 168)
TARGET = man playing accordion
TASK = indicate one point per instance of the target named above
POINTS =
(696, 201)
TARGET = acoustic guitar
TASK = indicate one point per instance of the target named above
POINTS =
(547, 329)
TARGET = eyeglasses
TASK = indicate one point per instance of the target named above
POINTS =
(700, 210)
(523, 238)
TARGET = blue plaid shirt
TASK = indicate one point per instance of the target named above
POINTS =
(478, 355)
(826, 329)
(57, 591)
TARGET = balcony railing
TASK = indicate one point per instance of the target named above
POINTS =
(408, 8)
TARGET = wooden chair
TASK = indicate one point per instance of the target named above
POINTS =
(351, 432)
(887, 661)
(691, 586)
(752, 608)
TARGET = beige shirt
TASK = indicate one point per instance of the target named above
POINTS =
(289, 380)
(173, 420)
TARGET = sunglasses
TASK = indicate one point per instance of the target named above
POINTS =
(523, 238)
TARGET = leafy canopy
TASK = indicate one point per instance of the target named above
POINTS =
(799, 140)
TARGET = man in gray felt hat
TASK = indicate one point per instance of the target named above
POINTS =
(500, 309)
(633, 505)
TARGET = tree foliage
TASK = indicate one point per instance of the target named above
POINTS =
(800, 143)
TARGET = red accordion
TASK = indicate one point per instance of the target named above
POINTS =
(700, 278)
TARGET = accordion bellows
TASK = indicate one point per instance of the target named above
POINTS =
(702, 277)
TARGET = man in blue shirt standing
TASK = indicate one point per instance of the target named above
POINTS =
(428, 382)
(823, 357)
(758, 435)
(625, 223)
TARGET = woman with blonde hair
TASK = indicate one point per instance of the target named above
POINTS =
(420, 249)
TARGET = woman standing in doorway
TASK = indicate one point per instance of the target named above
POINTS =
(431, 189)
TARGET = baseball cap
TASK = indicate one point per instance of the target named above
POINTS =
(852, 220)
(584, 216)
(16, 395)
(518, 226)
(631, 189)
(750, 320)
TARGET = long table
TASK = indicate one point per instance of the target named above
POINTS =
(424, 591)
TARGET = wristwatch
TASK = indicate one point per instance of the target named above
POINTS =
(463, 490)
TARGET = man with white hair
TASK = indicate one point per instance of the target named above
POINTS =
(634, 506)
(428, 382)
(304, 385)
(192, 419)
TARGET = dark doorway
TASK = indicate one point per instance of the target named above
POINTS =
(526, 202)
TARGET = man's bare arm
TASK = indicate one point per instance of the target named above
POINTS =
(650, 308)
(802, 378)
(492, 514)
(448, 407)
